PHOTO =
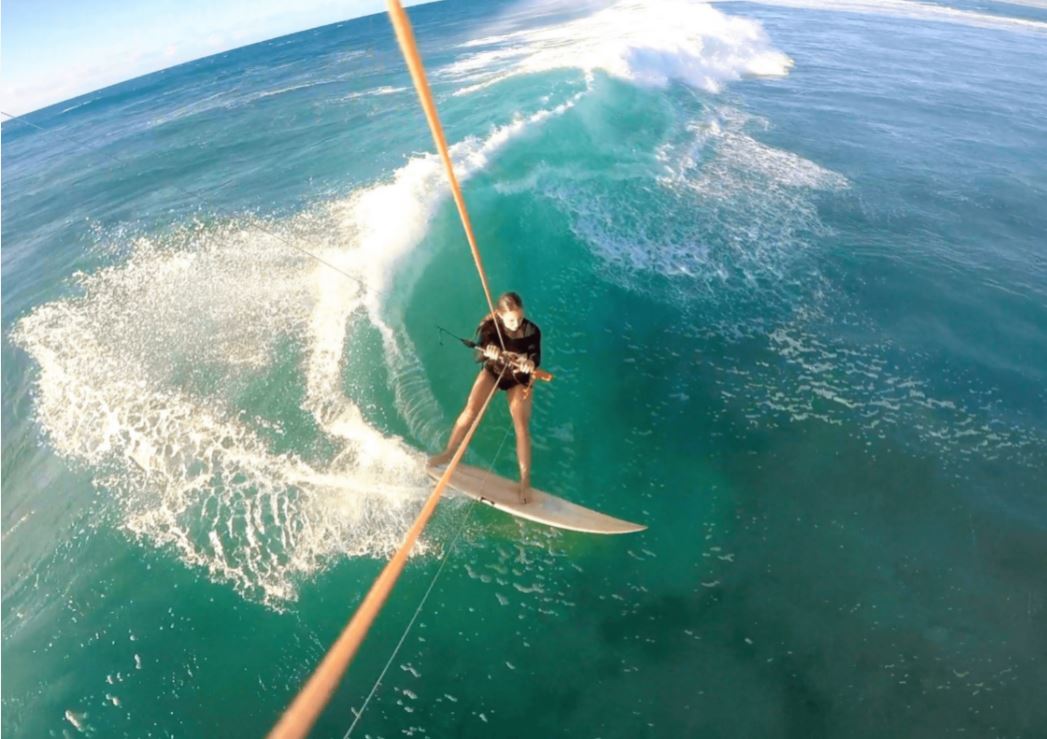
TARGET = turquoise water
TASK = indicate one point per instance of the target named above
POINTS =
(788, 261)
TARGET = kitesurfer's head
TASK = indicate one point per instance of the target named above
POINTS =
(510, 310)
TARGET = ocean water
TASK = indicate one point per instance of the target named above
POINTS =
(789, 261)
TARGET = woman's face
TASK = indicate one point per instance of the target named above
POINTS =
(512, 319)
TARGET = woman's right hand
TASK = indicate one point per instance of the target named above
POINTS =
(492, 351)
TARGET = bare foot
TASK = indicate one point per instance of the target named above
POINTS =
(523, 492)
(439, 460)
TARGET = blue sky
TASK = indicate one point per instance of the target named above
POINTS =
(52, 50)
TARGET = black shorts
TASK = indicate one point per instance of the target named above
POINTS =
(509, 380)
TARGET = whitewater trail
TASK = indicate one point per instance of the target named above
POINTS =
(139, 375)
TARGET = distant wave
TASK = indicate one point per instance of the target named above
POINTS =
(78, 105)
(231, 100)
(916, 9)
(384, 90)
(283, 90)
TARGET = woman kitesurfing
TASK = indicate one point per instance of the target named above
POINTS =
(513, 369)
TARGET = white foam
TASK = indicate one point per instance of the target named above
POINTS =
(383, 90)
(140, 375)
(77, 720)
(284, 90)
(726, 219)
(119, 390)
(78, 105)
(648, 43)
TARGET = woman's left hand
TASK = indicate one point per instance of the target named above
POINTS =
(526, 366)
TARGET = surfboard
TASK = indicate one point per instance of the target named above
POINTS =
(543, 507)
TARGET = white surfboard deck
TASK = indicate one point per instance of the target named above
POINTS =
(543, 507)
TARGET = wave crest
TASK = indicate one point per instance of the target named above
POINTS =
(649, 44)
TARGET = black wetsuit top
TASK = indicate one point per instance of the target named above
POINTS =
(529, 343)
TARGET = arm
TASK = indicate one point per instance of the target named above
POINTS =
(486, 335)
(534, 347)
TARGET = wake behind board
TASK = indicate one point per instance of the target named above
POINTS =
(543, 507)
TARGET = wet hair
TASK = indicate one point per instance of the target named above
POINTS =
(506, 301)
(509, 301)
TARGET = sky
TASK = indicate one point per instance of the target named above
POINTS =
(53, 50)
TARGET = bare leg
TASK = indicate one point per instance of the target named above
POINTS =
(520, 409)
(481, 388)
